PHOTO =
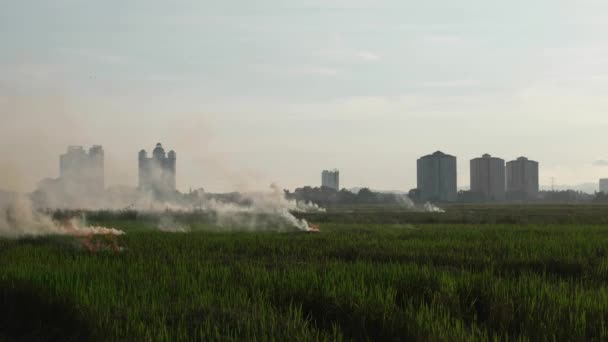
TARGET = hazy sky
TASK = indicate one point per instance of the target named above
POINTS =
(249, 92)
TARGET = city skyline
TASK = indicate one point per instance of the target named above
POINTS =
(272, 92)
(160, 154)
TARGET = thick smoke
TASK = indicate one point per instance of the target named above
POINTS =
(264, 209)
(248, 210)
(242, 211)
(19, 219)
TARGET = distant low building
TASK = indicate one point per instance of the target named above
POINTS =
(604, 185)
(331, 179)
(437, 177)
(157, 173)
(522, 178)
(488, 177)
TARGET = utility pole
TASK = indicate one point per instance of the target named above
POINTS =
(552, 184)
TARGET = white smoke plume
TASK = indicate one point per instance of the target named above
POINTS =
(407, 202)
(263, 210)
(169, 225)
(19, 219)
(431, 208)
(251, 211)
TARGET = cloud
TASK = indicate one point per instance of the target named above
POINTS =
(452, 84)
(442, 40)
(28, 73)
(347, 56)
(297, 71)
(600, 163)
(165, 78)
(368, 56)
(374, 108)
(95, 56)
(319, 71)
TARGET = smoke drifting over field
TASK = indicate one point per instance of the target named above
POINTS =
(262, 209)
(431, 208)
(252, 211)
(407, 203)
(19, 219)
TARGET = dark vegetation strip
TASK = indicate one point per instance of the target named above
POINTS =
(455, 214)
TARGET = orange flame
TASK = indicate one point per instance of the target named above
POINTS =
(93, 239)
(313, 228)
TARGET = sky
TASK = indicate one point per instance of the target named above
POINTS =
(253, 92)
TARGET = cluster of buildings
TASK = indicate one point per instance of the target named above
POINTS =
(82, 172)
(491, 178)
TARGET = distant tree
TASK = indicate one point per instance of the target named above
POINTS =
(600, 197)
(565, 196)
(366, 196)
(346, 197)
(327, 197)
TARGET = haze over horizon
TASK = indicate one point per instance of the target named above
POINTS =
(273, 91)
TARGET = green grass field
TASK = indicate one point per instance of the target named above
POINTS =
(370, 281)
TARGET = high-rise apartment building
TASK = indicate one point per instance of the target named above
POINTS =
(331, 179)
(157, 173)
(437, 177)
(522, 178)
(488, 177)
(82, 172)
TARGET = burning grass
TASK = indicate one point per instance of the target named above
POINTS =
(92, 239)
(99, 243)
(314, 228)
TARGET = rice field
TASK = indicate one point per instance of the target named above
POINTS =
(351, 282)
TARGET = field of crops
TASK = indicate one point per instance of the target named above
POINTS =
(378, 281)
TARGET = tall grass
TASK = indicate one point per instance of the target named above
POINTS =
(350, 282)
